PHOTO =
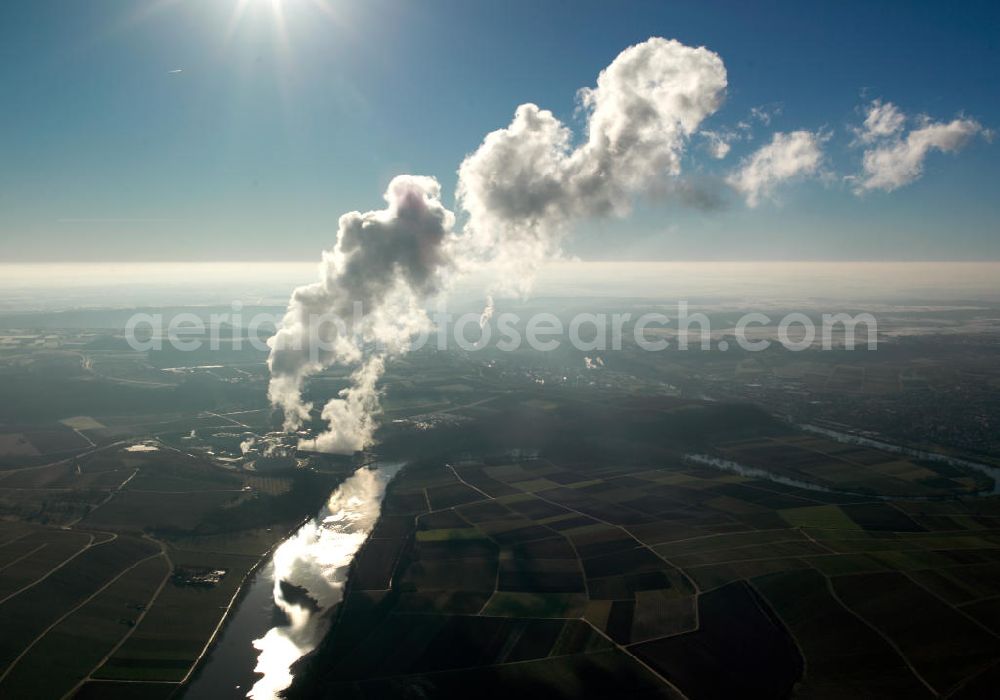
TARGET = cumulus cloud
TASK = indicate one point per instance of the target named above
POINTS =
(526, 183)
(892, 159)
(788, 156)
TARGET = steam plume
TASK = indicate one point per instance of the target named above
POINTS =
(526, 183)
(521, 190)
(369, 297)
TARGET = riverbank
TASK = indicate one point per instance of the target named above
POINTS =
(238, 596)
(265, 631)
(301, 667)
(858, 475)
(864, 441)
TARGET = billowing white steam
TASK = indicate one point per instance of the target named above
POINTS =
(351, 419)
(520, 189)
(526, 183)
(369, 298)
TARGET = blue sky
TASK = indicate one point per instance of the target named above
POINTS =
(266, 135)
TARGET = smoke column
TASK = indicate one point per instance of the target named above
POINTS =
(526, 184)
(367, 305)
(521, 191)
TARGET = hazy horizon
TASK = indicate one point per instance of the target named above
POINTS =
(61, 286)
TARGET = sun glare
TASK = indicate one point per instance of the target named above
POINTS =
(276, 12)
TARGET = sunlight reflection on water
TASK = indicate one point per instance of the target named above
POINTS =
(316, 559)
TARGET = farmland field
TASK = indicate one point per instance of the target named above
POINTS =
(674, 569)
(102, 525)
(545, 538)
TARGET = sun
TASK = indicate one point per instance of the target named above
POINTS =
(278, 10)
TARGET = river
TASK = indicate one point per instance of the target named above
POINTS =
(275, 624)
(847, 438)
(851, 439)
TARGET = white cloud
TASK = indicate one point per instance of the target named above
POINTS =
(521, 190)
(717, 143)
(892, 159)
(788, 155)
(765, 113)
(525, 183)
(883, 120)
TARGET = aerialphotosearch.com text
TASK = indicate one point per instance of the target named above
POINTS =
(652, 331)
